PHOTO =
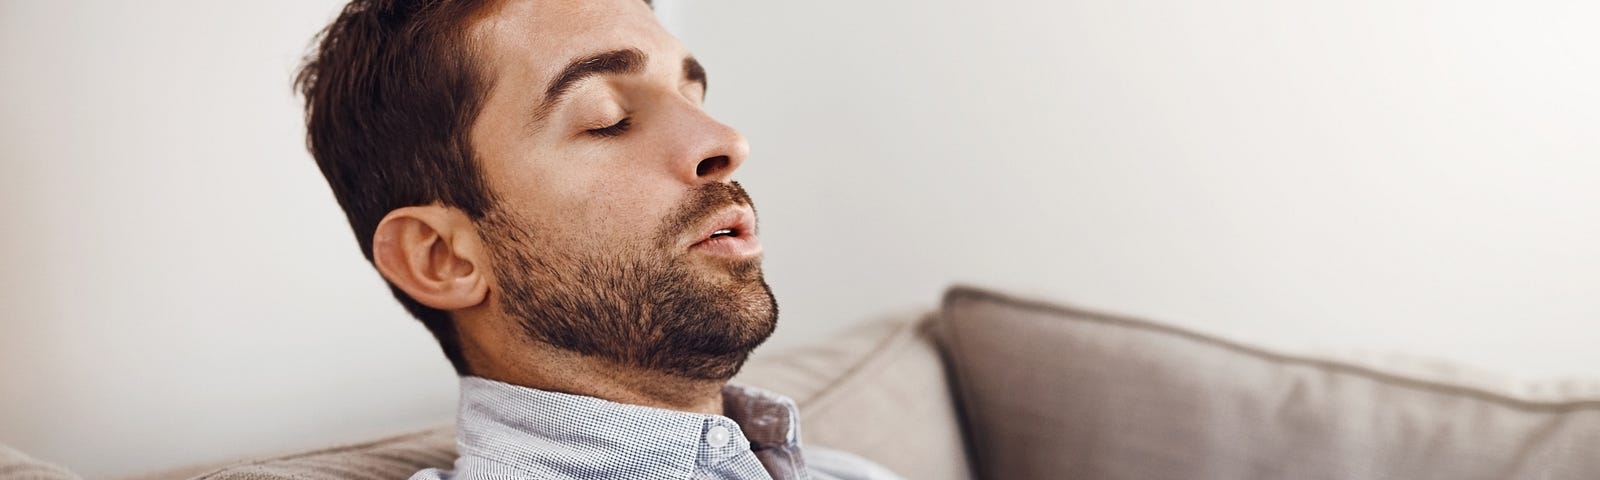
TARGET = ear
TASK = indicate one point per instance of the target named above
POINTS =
(432, 253)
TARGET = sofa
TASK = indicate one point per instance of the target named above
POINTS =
(992, 386)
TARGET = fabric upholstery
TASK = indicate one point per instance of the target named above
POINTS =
(385, 459)
(1057, 392)
(880, 391)
(15, 465)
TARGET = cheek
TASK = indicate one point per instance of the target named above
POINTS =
(609, 212)
(632, 210)
(588, 196)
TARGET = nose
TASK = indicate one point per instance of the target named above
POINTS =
(713, 150)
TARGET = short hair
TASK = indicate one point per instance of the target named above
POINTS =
(392, 88)
(391, 91)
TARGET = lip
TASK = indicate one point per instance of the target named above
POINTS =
(743, 243)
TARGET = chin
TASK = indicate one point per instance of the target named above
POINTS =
(714, 343)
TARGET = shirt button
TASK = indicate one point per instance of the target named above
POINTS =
(717, 436)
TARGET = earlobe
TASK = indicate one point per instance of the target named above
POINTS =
(431, 253)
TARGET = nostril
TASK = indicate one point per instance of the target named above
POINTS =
(712, 165)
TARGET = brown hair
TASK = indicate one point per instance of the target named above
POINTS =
(392, 89)
(391, 93)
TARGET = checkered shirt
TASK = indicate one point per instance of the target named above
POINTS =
(505, 432)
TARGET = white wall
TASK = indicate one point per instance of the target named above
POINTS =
(178, 283)
(179, 286)
(1374, 174)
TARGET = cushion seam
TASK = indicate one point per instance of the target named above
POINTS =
(825, 395)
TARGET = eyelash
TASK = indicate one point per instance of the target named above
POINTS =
(613, 130)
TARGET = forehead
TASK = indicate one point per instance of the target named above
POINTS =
(534, 39)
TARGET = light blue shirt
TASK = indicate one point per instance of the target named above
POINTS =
(505, 432)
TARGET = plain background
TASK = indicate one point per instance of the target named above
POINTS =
(1409, 176)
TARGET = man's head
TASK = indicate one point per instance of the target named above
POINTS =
(542, 168)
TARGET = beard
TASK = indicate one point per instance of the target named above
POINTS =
(641, 305)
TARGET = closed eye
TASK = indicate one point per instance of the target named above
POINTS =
(613, 130)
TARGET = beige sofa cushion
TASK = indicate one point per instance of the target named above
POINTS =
(1057, 392)
(877, 391)
(384, 459)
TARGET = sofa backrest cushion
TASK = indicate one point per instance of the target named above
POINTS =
(386, 459)
(879, 391)
(1058, 392)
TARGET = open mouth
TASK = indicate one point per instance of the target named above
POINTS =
(731, 233)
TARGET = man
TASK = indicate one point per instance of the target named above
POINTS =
(540, 186)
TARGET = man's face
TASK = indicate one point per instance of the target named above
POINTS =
(615, 231)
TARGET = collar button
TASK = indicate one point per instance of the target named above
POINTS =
(717, 436)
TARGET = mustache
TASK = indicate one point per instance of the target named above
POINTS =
(704, 201)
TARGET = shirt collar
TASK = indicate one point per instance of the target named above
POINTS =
(539, 432)
(769, 420)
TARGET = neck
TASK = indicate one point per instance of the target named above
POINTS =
(551, 369)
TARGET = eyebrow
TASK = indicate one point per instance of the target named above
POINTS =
(692, 71)
(616, 62)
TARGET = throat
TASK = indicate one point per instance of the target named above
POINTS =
(556, 370)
